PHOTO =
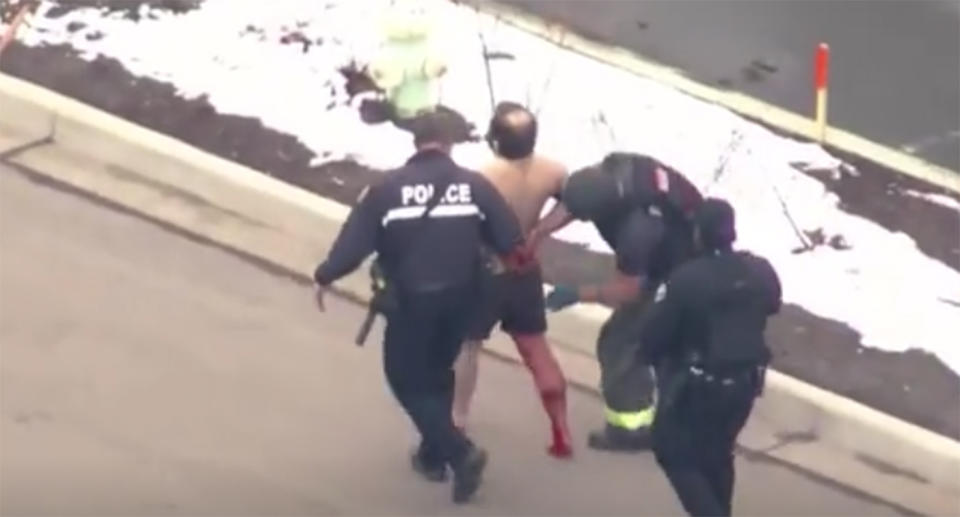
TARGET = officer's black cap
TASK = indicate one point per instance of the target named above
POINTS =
(717, 223)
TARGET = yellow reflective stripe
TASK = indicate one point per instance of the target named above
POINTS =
(631, 421)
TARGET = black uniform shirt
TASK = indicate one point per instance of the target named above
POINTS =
(661, 180)
(634, 238)
(440, 251)
(716, 306)
(649, 233)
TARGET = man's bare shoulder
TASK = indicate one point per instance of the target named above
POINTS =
(552, 169)
(536, 166)
(551, 165)
(492, 165)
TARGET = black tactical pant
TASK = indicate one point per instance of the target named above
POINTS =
(627, 384)
(422, 339)
(698, 420)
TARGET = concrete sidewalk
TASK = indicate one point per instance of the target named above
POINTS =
(146, 374)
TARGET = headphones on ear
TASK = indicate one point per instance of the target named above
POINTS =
(491, 139)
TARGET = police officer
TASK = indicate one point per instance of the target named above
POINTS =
(426, 221)
(642, 209)
(706, 333)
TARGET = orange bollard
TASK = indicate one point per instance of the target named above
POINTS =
(821, 65)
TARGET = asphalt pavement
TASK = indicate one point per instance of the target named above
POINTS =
(145, 373)
(895, 64)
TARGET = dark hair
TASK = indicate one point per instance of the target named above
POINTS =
(509, 136)
(432, 128)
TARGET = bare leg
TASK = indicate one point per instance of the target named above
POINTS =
(551, 385)
(465, 375)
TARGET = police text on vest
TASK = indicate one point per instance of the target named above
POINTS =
(457, 193)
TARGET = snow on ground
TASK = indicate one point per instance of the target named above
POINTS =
(230, 50)
(939, 199)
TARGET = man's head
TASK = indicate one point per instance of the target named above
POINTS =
(513, 131)
(433, 131)
(715, 225)
(590, 193)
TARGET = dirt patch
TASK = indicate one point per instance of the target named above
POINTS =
(881, 195)
(133, 10)
(374, 109)
(914, 386)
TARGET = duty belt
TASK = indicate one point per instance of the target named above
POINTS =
(746, 374)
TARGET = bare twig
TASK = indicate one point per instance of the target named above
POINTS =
(486, 62)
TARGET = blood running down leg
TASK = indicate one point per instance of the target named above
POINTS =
(551, 386)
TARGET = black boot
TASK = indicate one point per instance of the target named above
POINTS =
(468, 475)
(617, 439)
(430, 469)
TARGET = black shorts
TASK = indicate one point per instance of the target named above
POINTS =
(515, 300)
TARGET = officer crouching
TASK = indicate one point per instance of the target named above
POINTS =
(706, 334)
(426, 221)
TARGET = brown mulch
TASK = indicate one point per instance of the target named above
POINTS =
(130, 9)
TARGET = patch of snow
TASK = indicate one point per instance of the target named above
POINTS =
(883, 286)
(938, 199)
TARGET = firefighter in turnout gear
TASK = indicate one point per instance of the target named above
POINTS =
(642, 209)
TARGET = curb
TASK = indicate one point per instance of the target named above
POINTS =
(769, 114)
(249, 211)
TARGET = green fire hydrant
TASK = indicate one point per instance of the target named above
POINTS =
(408, 66)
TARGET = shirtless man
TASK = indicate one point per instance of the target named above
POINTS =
(515, 297)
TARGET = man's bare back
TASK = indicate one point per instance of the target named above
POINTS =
(513, 295)
(526, 184)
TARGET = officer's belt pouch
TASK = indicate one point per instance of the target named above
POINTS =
(675, 388)
(490, 263)
(689, 394)
(718, 385)
(389, 301)
(385, 298)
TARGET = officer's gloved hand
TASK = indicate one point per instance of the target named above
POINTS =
(561, 297)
